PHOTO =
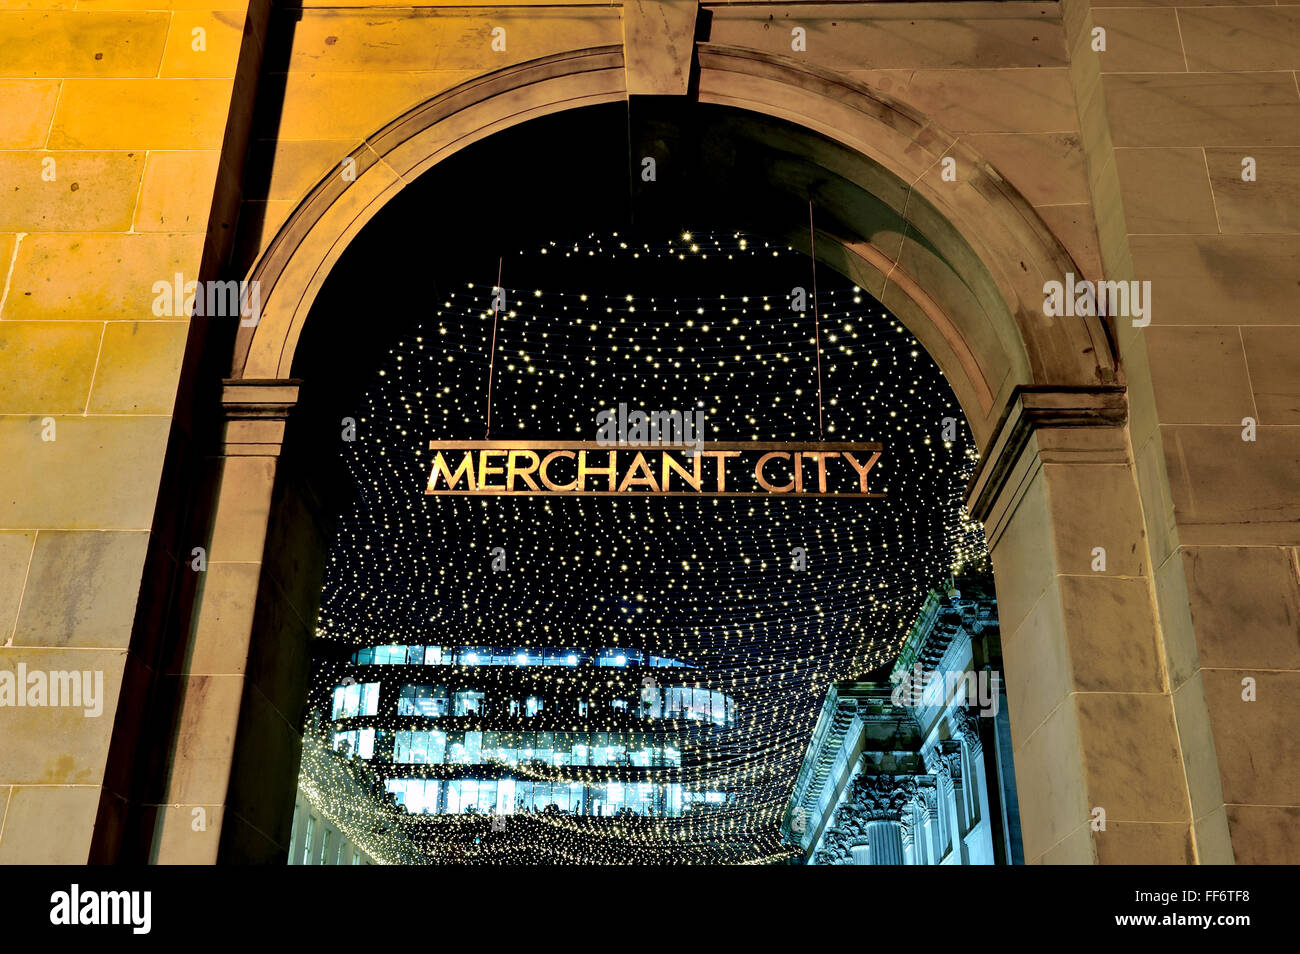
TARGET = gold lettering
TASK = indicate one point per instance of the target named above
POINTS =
(763, 481)
(466, 469)
(720, 457)
(584, 470)
(546, 480)
(821, 466)
(512, 470)
(631, 479)
(861, 469)
(484, 470)
(670, 464)
(526, 468)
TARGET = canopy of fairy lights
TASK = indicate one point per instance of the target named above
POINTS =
(770, 598)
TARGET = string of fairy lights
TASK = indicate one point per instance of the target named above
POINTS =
(689, 322)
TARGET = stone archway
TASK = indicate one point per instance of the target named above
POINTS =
(1092, 719)
(965, 273)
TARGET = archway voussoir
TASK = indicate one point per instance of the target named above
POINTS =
(983, 252)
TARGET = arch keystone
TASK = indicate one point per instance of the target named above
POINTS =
(658, 41)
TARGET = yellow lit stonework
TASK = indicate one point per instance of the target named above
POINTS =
(1125, 686)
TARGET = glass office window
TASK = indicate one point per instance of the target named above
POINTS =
(506, 656)
(674, 800)
(465, 797)
(639, 797)
(508, 796)
(356, 699)
(468, 702)
(695, 705)
(430, 701)
(418, 795)
(419, 748)
(651, 701)
(306, 845)
(358, 742)
(613, 798)
(505, 796)
(465, 748)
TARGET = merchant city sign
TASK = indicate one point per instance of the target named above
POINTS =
(708, 469)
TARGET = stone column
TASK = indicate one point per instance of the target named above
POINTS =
(967, 727)
(1091, 712)
(940, 796)
(906, 829)
(885, 838)
(878, 802)
(952, 769)
(245, 661)
(944, 761)
(930, 819)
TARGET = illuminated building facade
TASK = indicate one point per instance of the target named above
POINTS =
(494, 731)
(316, 840)
(917, 770)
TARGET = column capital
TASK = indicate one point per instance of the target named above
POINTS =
(967, 725)
(254, 412)
(950, 760)
(905, 825)
(881, 797)
(835, 849)
(928, 798)
(1033, 408)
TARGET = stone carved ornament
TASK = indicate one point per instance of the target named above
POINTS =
(880, 797)
(929, 800)
(966, 724)
(950, 760)
(835, 849)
